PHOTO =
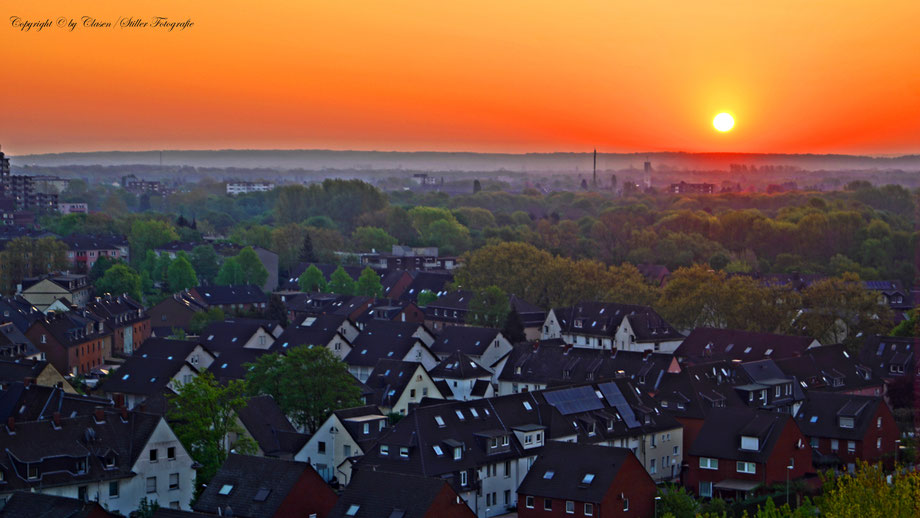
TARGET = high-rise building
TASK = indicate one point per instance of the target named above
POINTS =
(21, 189)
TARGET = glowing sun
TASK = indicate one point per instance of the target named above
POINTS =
(723, 122)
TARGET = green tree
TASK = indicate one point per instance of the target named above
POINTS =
(312, 279)
(909, 327)
(867, 494)
(287, 242)
(369, 284)
(180, 275)
(677, 501)
(100, 266)
(372, 238)
(307, 254)
(426, 297)
(340, 282)
(842, 310)
(231, 273)
(488, 308)
(149, 234)
(253, 270)
(205, 262)
(308, 383)
(202, 319)
(202, 413)
(513, 329)
(26, 257)
(120, 279)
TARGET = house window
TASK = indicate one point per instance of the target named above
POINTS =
(151, 484)
(412, 393)
(367, 428)
(851, 447)
(625, 505)
(384, 450)
(750, 443)
(113, 489)
(779, 389)
(878, 443)
(321, 447)
(346, 450)
(746, 467)
(458, 453)
(507, 468)
(463, 478)
(153, 455)
(835, 444)
(528, 502)
(171, 453)
(404, 452)
(707, 463)
(846, 422)
(652, 468)
(33, 472)
(589, 509)
(81, 493)
(878, 423)
(814, 442)
(173, 481)
(547, 504)
(705, 489)
(569, 507)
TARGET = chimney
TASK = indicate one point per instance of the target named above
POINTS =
(124, 414)
(56, 418)
(645, 354)
(29, 381)
(11, 424)
(99, 414)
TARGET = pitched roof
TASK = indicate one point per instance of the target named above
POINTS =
(829, 368)
(72, 328)
(143, 375)
(82, 437)
(471, 341)
(36, 402)
(889, 356)
(24, 504)
(389, 380)
(19, 311)
(435, 282)
(819, 415)
(272, 431)
(382, 339)
(224, 295)
(251, 486)
(604, 318)
(720, 435)
(706, 344)
(20, 369)
(459, 366)
(94, 242)
(232, 333)
(573, 471)
(374, 494)
(552, 362)
(320, 334)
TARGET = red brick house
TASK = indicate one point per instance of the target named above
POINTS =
(232, 299)
(264, 487)
(127, 320)
(843, 428)
(72, 342)
(379, 494)
(175, 312)
(571, 479)
(739, 450)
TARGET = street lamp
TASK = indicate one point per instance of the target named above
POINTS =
(657, 498)
(788, 470)
(897, 449)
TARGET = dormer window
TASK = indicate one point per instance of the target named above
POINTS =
(384, 450)
(750, 443)
(33, 471)
(846, 422)
(458, 453)
(81, 466)
(404, 452)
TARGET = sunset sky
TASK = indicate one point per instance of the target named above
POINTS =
(798, 76)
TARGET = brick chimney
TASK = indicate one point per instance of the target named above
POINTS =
(56, 418)
(11, 424)
(124, 414)
(99, 414)
(28, 381)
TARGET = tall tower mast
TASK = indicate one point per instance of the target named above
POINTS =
(595, 168)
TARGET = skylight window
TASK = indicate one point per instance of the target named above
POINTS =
(437, 450)
(234, 339)
(527, 406)
(747, 350)
(589, 477)
(210, 338)
(226, 489)
(814, 419)
(769, 352)
(459, 414)
(474, 412)
(352, 510)
(387, 373)
(549, 474)
(126, 376)
(364, 351)
(438, 419)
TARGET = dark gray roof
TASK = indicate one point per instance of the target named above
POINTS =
(319, 334)
(224, 295)
(22, 504)
(383, 340)
(472, 341)
(720, 435)
(272, 431)
(889, 356)
(143, 375)
(36, 402)
(829, 368)
(602, 319)
(232, 333)
(706, 344)
(389, 495)
(819, 415)
(389, 379)
(459, 366)
(561, 468)
(257, 486)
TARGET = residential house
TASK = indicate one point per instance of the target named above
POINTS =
(15, 344)
(84, 250)
(889, 357)
(483, 345)
(570, 479)
(345, 435)
(434, 282)
(126, 318)
(830, 368)
(601, 325)
(232, 299)
(532, 317)
(38, 372)
(321, 333)
(42, 292)
(26, 401)
(263, 487)
(459, 377)
(24, 504)
(550, 363)
(392, 310)
(262, 421)
(113, 457)
(150, 375)
(389, 340)
(706, 345)
(740, 451)
(373, 494)
(19, 311)
(450, 309)
(240, 333)
(399, 385)
(72, 342)
(843, 428)
(175, 312)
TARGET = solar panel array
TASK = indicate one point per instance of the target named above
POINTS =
(616, 399)
(574, 400)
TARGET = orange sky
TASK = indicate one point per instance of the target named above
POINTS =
(507, 75)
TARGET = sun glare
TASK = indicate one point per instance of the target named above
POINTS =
(723, 122)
